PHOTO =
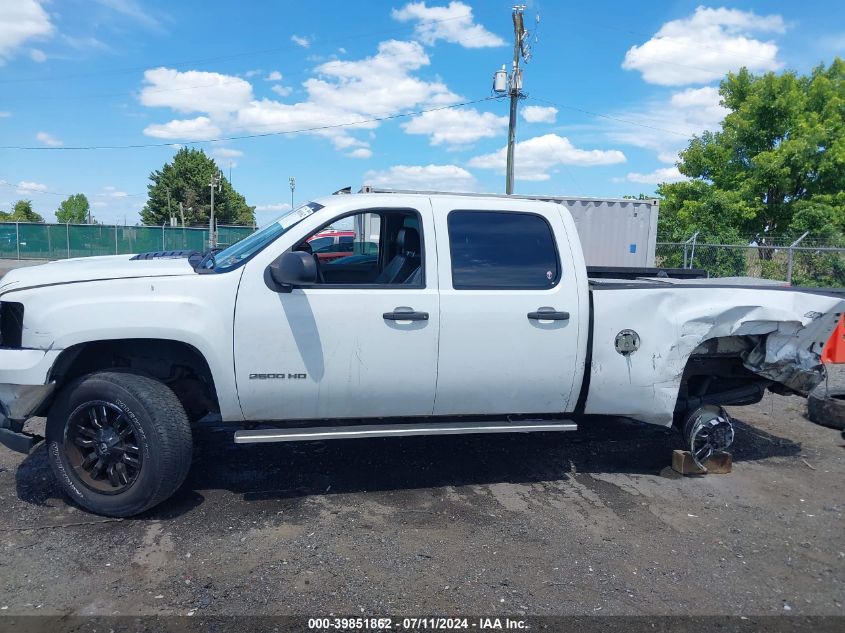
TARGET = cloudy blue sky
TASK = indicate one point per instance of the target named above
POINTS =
(614, 90)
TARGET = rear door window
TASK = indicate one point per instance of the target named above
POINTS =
(503, 250)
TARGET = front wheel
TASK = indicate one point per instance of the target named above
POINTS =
(119, 443)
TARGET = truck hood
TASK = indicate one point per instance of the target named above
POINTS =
(81, 269)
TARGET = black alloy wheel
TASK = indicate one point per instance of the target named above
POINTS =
(102, 447)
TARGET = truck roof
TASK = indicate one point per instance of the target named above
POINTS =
(369, 190)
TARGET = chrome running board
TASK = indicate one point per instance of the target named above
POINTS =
(253, 436)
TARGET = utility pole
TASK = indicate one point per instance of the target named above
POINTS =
(214, 183)
(292, 182)
(515, 87)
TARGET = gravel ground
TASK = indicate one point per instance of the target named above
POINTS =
(591, 522)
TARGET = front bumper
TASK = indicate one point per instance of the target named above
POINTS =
(23, 390)
(19, 402)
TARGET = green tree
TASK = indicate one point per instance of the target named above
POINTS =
(776, 167)
(21, 212)
(186, 180)
(74, 209)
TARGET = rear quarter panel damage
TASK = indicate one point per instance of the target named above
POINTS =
(673, 321)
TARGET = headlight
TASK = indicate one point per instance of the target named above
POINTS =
(11, 324)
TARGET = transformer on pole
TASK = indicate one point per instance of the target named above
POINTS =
(512, 85)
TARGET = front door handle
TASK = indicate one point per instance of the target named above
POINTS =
(548, 314)
(403, 313)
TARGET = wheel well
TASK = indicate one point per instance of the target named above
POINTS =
(715, 374)
(180, 366)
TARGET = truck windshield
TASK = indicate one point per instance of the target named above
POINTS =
(239, 252)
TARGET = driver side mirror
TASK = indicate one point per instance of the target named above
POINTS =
(294, 269)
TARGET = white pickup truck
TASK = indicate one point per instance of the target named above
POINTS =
(446, 314)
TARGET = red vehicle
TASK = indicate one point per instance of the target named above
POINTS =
(330, 244)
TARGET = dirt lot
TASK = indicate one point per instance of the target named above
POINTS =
(579, 523)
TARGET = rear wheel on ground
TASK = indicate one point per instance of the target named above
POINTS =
(119, 443)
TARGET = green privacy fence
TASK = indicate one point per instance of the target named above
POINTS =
(20, 240)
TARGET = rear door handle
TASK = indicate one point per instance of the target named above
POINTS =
(548, 314)
(405, 314)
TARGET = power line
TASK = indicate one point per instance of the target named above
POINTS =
(233, 79)
(316, 128)
(608, 116)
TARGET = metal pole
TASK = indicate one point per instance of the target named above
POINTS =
(212, 238)
(789, 261)
(115, 239)
(18, 237)
(67, 229)
(162, 238)
(515, 93)
(292, 183)
(692, 253)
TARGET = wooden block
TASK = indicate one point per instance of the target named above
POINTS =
(719, 463)
(683, 463)
(716, 464)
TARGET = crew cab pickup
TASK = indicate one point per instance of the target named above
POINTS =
(463, 314)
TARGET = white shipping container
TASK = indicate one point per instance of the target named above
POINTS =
(614, 232)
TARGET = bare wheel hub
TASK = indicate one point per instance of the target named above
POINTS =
(708, 429)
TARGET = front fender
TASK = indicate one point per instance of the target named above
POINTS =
(196, 310)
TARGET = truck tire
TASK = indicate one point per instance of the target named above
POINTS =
(827, 407)
(119, 443)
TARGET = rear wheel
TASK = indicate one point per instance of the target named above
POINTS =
(119, 443)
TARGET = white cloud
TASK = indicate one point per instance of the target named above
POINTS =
(112, 192)
(665, 127)
(48, 139)
(195, 91)
(199, 129)
(453, 23)
(361, 152)
(536, 157)
(85, 43)
(274, 76)
(27, 187)
(99, 204)
(662, 174)
(4, 114)
(282, 91)
(439, 177)
(539, 114)
(38, 55)
(132, 10)
(21, 20)
(278, 207)
(456, 127)
(301, 40)
(381, 85)
(227, 152)
(705, 46)
(253, 73)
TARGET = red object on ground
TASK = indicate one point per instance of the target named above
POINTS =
(834, 350)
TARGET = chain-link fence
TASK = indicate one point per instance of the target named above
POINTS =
(19, 240)
(799, 265)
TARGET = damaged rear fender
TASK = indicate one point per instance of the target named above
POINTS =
(790, 354)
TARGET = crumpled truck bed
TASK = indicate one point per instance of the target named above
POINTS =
(672, 319)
